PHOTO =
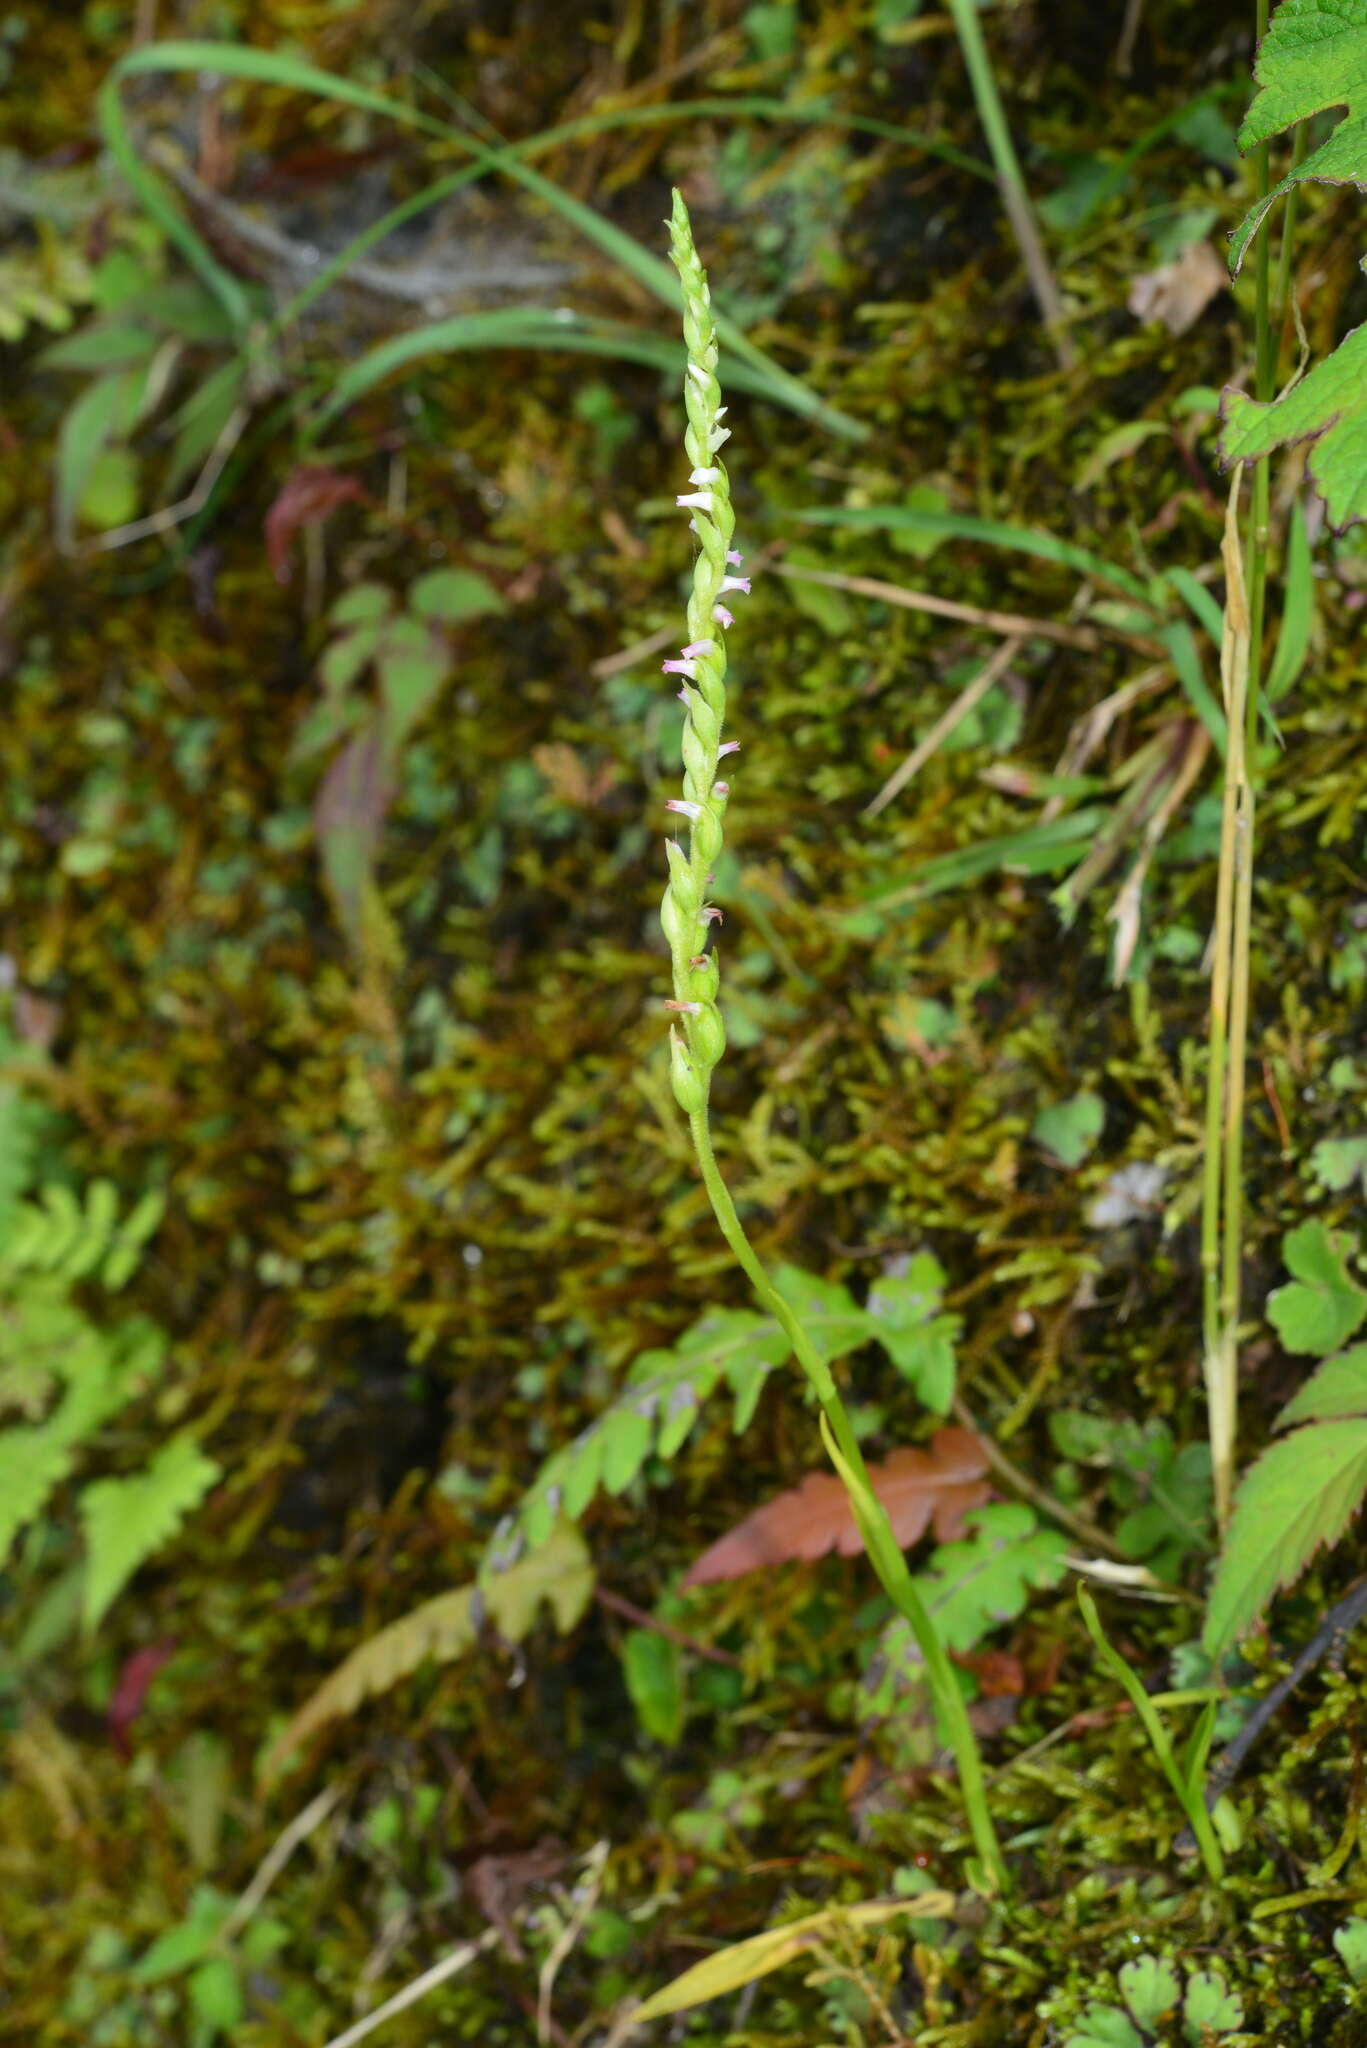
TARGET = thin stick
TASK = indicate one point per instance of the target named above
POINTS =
(944, 726)
(276, 1857)
(1084, 637)
(449, 1966)
(629, 1612)
(1010, 182)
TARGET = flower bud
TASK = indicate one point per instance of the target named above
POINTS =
(708, 1037)
(704, 977)
(690, 1087)
(707, 834)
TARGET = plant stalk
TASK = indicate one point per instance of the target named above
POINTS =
(1010, 180)
(896, 1579)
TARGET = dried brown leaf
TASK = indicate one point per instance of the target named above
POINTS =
(920, 1489)
(1178, 293)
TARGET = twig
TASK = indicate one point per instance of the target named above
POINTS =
(449, 1966)
(585, 1899)
(1015, 1480)
(1084, 637)
(944, 726)
(618, 1605)
(277, 1856)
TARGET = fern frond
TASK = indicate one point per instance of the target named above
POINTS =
(664, 1392)
(127, 1520)
(33, 1463)
(70, 1237)
(560, 1573)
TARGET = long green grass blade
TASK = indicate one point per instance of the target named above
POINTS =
(1024, 540)
(1037, 850)
(279, 69)
(514, 327)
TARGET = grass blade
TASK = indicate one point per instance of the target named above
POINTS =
(1024, 540)
(275, 68)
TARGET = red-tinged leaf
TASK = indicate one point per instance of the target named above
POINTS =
(920, 1489)
(130, 1690)
(308, 494)
(348, 813)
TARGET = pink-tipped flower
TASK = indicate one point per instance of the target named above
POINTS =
(680, 668)
(699, 647)
(686, 809)
(721, 789)
(734, 557)
(729, 583)
(688, 1009)
(709, 914)
(702, 499)
(728, 747)
(722, 616)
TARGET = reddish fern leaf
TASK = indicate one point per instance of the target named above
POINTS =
(920, 1489)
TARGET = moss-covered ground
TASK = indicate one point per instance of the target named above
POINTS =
(427, 1193)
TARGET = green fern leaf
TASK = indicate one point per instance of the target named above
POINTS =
(560, 1573)
(127, 1520)
(1302, 1493)
(973, 1586)
(1313, 57)
(660, 1402)
(33, 1463)
(664, 1391)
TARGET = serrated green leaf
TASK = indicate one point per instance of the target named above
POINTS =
(1150, 1988)
(1328, 407)
(1322, 1306)
(653, 1669)
(1301, 1493)
(1209, 2004)
(127, 1520)
(1105, 2026)
(1313, 57)
(1338, 1387)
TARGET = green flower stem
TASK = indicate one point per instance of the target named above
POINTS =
(697, 1036)
(884, 1550)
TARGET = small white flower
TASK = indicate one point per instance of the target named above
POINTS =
(684, 807)
(703, 476)
(722, 616)
(700, 647)
(735, 583)
(702, 499)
